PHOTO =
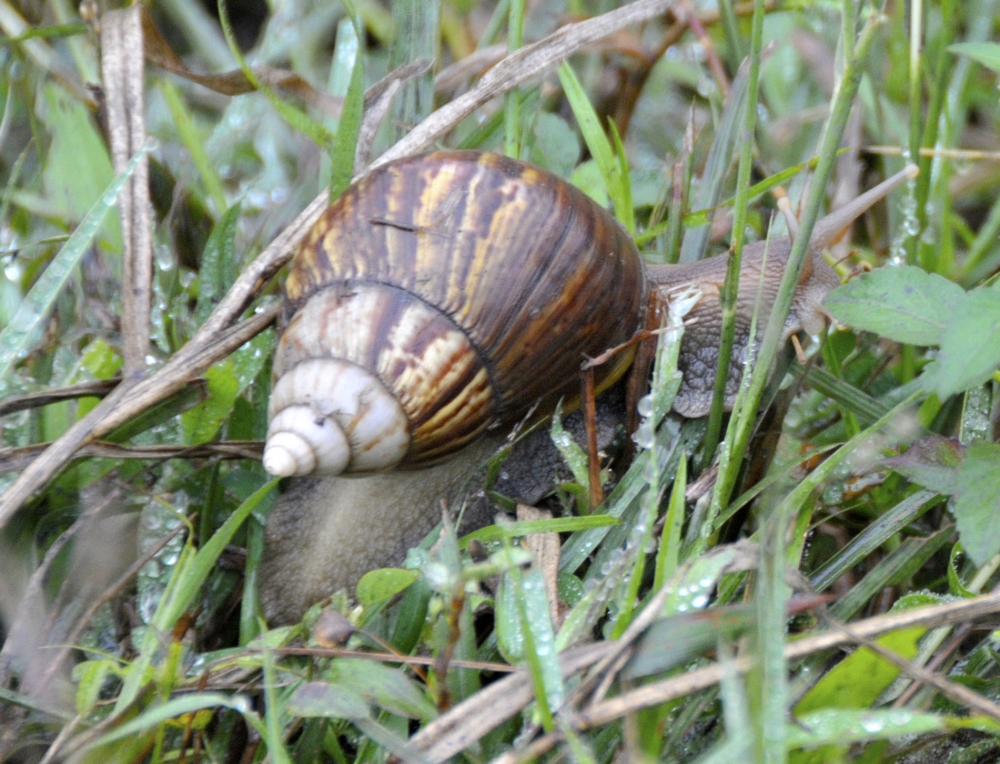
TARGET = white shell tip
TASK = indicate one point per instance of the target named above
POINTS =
(347, 416)
(278, 462)
(300, 442)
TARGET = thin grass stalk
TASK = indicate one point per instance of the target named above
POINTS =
(731, 29)
(512, 102)
(768, 685)
(731, 287)
(934, 258)
(916, 30)
(741, 424)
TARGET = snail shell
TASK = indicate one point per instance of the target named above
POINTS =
(440, 295)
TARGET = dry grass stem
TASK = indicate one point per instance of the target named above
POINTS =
(124, 83)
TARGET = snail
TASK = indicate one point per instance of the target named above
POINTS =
(433, 304)
(448, 293)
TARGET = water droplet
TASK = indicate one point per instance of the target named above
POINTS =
(645, 407)
(873, 724)
(645, 436)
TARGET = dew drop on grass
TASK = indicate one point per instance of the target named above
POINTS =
(645, 406)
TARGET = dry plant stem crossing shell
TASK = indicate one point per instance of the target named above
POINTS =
(449, 293)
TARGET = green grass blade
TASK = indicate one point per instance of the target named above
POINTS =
(20, 334)
(194, 143)
(345, 147)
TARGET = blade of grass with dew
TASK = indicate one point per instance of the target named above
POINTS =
(668, 555)
(575, 459)
(272, 708)
(190, 574)
(652, 408)
(512, 99)
(597, 141)
(344, 148)
(525, 634)
(744, 415)
(178, 707)
(717, 165)
(194, 144)
(296, 119)
(20, 334)
(773, 591)
(728, 294)
(671, 443)
(872, 537)
(529, 527)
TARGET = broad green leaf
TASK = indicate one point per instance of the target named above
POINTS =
(382, 685)
(557, 147)
(905, 304)
(861, 677)
(218, 263)
(250, 359)
(986, 53)
(100, 359)
(978, 502)
(525, 633)
(327, 700)
(378, 586)
(90, 676)
(932, 462)
(970, 348)
(201, 423)
(673, 641)
(78, 168)
(587, 177)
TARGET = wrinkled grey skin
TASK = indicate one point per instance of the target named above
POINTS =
(323, 534)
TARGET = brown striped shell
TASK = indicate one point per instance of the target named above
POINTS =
(438, 296)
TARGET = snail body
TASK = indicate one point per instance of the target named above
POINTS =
(442, 297)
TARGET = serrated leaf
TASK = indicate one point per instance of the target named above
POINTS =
(970, 348)
(932, 462)
(905, 304)
(380, 585)
(978, 502)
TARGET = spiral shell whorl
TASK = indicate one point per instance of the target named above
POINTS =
(471, 285)
(328, 416)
